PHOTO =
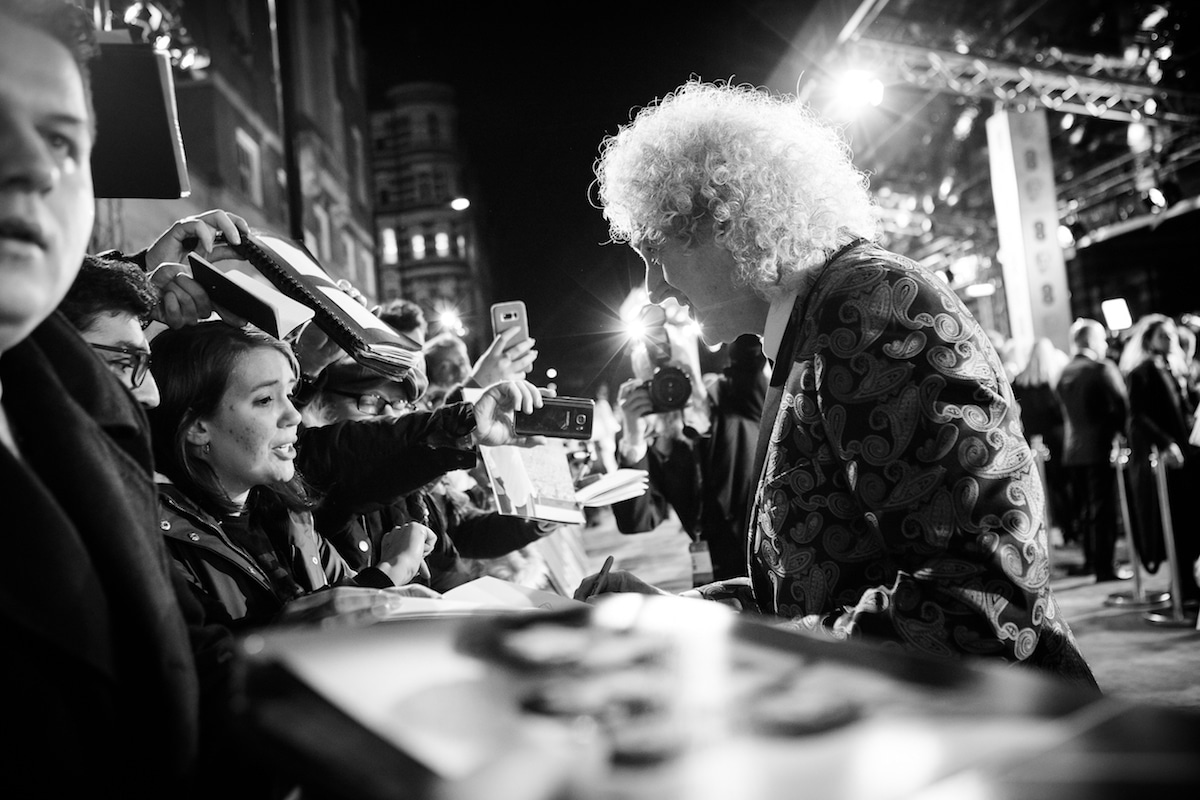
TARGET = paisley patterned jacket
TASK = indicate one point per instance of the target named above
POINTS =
(898, 499)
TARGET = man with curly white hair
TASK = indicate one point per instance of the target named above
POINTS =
(897, 499)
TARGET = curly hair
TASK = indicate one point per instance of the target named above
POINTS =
(760, 174)
(108, 286)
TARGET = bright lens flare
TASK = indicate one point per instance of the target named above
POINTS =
(854, 91)
(634, 329)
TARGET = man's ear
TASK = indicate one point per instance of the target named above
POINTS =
(197, 433)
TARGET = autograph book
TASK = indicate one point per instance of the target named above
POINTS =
(252, 299)
(366, 338)
(535, 482)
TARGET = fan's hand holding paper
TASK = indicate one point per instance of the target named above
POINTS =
(253, 300)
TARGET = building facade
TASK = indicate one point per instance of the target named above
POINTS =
(429, 250)
(270, 96)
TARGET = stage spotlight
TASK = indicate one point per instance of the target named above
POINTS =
(1162, 196)
(854, 91)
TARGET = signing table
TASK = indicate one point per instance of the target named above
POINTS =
(658, 698)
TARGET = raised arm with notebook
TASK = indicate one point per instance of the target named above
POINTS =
(365, 337)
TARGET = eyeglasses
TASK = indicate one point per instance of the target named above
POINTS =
(134, 360)
(375, 403)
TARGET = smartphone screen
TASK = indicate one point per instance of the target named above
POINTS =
(510, 314)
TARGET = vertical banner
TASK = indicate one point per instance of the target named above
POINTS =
(1031, 259)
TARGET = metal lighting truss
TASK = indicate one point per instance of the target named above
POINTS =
(1093, 85)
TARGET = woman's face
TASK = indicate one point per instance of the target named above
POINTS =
(1162, 341)
(700, 276)
(251, 436)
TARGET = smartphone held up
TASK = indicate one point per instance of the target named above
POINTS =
(558, 418)
(510, 314)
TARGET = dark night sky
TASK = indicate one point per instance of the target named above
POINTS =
(537, 91)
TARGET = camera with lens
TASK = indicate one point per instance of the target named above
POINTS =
(669, 387)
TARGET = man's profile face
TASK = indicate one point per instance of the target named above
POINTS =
(46, 197)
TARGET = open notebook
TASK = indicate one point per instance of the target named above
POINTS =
(536, 482)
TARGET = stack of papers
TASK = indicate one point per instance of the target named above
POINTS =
(536, 482)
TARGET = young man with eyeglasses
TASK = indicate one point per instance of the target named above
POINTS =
(110, 303)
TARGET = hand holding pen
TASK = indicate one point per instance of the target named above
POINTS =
(600, 576)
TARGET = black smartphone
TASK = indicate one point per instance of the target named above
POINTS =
(558, 418)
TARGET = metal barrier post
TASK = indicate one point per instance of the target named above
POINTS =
(1135, 598)
(1175, 619)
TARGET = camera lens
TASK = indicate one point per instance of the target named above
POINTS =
(670, 389)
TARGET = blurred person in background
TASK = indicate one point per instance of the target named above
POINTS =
(897, 500)
(1095, 409)
(406, 317)
(605, 429)
(1160, 420)
(1042, 420)
(1189, 366)
(448, 363)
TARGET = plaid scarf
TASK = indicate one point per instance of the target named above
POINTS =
(255, 541)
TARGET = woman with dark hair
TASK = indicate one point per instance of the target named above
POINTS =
(1042, 420)
(236, 515)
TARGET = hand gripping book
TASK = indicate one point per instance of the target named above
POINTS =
(251, 298)
(365, 337)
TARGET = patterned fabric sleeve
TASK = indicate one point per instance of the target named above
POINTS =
(900, 500)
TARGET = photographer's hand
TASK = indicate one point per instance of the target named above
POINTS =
(634, 401)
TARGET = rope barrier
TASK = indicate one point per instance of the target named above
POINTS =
(1176, 618)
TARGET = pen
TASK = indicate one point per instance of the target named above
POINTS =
(600, 576)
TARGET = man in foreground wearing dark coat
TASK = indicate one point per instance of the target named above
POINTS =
(1092, 393)
(99, 667)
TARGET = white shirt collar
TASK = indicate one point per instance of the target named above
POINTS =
(777, 320)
